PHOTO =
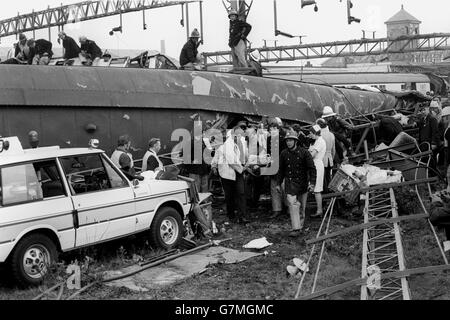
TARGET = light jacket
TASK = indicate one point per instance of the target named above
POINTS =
(227, 160)
(330, 153)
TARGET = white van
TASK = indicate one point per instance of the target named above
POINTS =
(55, 200)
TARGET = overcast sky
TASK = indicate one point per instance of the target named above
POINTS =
(328, 24)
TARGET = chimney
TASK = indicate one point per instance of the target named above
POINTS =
(163, 47)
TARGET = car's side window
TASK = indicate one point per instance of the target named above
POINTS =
(115, 179)
(89, 173)
(30, 182)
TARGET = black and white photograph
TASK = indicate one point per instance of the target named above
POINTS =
(225, 158)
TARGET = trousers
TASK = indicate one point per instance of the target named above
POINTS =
(238, 55)
(297, 216)
(277, 197)
(235, 196)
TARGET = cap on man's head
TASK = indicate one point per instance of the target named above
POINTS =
(153, 142)
(82, 38)
(22, 37)
(123, 140)
(195, 33)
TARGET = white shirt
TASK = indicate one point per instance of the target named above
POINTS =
(227, 154)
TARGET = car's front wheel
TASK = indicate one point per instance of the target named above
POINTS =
(31, 259)
(166, 229)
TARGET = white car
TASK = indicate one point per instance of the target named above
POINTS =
(55, 200)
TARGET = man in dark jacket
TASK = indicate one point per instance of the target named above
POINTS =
(90, 50)
(41, 50)
(428, 128)
(239, 31)
(298, 171)
(341, 129)
(388, 129)
(188, 55)
(71, 48)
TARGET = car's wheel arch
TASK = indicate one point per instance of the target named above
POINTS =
(172, 203)
(48, 231)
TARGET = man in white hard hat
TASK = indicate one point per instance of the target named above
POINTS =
(189, 54)
(341, 129)
(239, 31)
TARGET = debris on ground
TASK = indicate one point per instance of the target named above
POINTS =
(368, 175)
(178, 269)
(258, 244)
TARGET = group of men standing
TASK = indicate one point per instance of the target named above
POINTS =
(30, 51)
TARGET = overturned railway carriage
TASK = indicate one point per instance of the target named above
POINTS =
(68, 106)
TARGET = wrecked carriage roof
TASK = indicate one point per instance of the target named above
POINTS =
(176, 89)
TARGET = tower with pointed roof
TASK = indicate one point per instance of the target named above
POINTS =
(402, 24)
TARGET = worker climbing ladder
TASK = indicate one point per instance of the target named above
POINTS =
(382, 249)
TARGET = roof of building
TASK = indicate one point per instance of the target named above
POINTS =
(403, 16)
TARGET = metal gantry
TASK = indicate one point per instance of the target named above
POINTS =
(351, 48)
(383, 249)
(78, 12)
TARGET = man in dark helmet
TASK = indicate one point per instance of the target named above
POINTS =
(239, 31)
(298, 172)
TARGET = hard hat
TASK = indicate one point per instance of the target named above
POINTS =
(195, 34)
(445, 112)
(278, 121)
(291, 135)
(233, 12)
(328, 112)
